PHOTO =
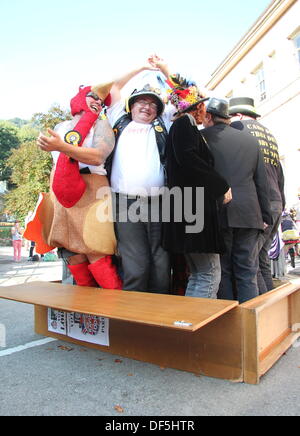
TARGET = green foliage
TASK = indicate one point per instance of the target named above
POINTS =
(23, 163)
(30, 175)
(18, 122)
(5, 237)
(54, 116)
(8, 140)
(27, 133)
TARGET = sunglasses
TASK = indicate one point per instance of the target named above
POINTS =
(95, 97)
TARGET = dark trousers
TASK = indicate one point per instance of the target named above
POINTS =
(145, 264)
(31, 250)
(239, 265)
(264, 275)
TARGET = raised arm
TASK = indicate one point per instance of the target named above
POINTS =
(120, 82)
(160, 64)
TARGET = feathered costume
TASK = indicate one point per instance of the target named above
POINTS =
(77, 213)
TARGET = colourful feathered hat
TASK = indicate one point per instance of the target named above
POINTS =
(184, 94)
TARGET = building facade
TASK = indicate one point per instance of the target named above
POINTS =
(265, 65)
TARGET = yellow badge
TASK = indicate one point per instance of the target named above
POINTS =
(73, 137)
(159, 129)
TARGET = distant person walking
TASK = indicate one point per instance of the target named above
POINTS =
(16, 232)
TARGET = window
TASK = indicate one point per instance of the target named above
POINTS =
(297, 47)
(295, 38)
(260, 83)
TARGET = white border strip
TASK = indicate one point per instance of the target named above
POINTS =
(10, 351)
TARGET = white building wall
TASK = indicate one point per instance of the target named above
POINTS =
(280, 111)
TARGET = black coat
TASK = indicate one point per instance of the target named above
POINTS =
(238, 158)
(269, 147)
(190, 165)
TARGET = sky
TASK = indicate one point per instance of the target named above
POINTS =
(49, 48)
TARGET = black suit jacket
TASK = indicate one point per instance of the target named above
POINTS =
(239, 160)
(190, 165)
(269, 148)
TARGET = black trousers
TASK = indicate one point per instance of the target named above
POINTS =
(145, 264)
(239, 265)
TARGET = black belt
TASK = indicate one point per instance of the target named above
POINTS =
(85, 170)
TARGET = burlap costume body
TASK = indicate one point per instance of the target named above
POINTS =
(86, 227)
(77, 213)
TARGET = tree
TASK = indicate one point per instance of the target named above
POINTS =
(19, 122)
(30, 166)
(31, 169)
(54, 116)
(8, 140)
(27, 133)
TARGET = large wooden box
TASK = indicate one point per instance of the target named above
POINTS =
(216, 338)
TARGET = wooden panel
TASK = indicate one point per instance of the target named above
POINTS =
(273, 322)
(295, 311)
(250, 354)
(145, 308)
(268, 322)
(269, 298)
(214, 350)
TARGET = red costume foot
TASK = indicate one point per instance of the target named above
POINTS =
(82, 274)
(105, 273)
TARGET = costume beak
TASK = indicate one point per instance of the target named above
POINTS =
(102, 90)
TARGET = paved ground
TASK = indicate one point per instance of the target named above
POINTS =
(12, 273)
(57, 379)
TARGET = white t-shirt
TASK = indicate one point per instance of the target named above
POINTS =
(63, 128)
(136, 168)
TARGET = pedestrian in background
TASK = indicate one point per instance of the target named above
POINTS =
(16, 232)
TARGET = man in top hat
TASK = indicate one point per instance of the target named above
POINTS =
(190, 171)
(245, 119)
(238, 159)
(137, 173)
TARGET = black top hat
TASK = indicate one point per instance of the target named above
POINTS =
(242, 105)
(219, 107)
(147, 91)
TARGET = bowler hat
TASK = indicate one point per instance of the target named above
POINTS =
(242, 105)
(219, 107)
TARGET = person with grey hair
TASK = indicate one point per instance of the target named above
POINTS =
(238, 159)
(245, 119)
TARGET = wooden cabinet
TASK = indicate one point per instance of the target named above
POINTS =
(216, 338)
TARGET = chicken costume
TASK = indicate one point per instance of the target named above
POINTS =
(77, 213)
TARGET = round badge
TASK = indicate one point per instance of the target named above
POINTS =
(159, 129)
(73, 137)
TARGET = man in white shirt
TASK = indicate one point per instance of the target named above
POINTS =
(137, 176)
